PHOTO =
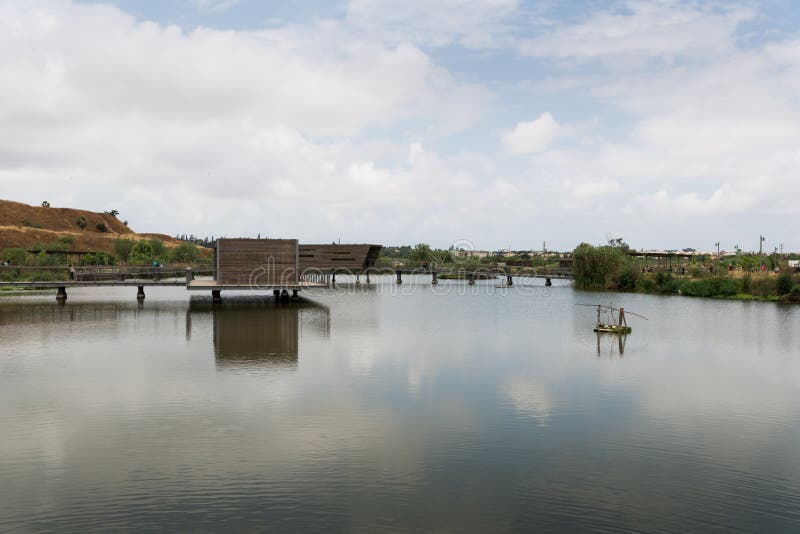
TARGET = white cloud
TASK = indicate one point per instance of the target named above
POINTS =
(536, 135)
(213, 6)
(643, 30)
(471, 23)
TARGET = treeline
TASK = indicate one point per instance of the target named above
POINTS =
(126, 251)
(207, 242)
(422, 255)
(610, 267)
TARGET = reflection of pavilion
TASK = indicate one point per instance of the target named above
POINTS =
(251, 332)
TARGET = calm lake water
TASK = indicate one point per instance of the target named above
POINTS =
(452, 409)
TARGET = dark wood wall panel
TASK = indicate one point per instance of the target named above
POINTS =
(327, 257)
(258, 262)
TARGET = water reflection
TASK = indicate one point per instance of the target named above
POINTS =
(610, 344)
(255, 332)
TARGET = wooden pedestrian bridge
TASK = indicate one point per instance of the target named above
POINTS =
(279, 265)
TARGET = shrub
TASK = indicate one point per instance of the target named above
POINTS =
(597, 266)
(794, 294)
(122, 248)
(626, 279)
(142, 252)
(184, 253)
(101, 227)
(784, 283)
(747, 280)
(65, 240)
(45, 204)
(82, 222)
(158, 247)
(709, 287)
(33, 224)
(15, 256)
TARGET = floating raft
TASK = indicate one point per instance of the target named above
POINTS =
(613, 328)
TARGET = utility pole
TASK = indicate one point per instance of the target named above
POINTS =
(717, 243)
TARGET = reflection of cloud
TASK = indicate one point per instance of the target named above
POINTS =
(532, 399)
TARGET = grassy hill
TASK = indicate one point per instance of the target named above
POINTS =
(28, 227)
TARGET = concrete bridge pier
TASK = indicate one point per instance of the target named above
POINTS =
(61, 295)
(216, 295)
(295, 294)
(434, 278)
(140, 293)
(399, 277)
(276, 293)
(284, 295)
(358, 279)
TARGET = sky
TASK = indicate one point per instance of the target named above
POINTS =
(490, 124)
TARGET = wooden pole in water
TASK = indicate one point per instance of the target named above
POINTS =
(434, 277)
(399, 277)
(140, 293)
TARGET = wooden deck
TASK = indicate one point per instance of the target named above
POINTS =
(178, 282)
(213, 285)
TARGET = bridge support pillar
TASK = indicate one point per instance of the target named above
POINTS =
(434, 278)
(284, 295)
(509, 280)
(399, 277)
(358, 279)
(295, 294)
(276, 293)
(216, 295)
(333, 277)
(547, 282)
(368, 282)
(471, 279)
(61, 295)
(140, 293)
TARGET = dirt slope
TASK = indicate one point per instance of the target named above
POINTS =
(25, 226)
(57, 219)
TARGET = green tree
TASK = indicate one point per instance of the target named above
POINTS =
(142, 252)
(82, 222)
(158, 248)
(184, 253)
(597, 266)
(122, 249)
(101, 227)
(421, 253)
(45, 204)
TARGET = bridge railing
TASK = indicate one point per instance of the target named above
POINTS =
(95, 273)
